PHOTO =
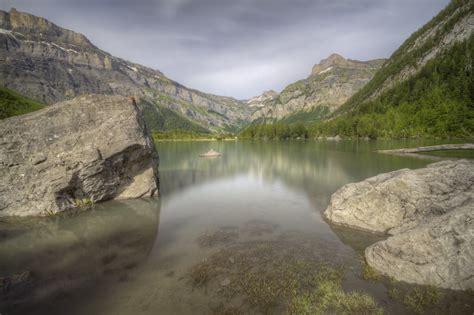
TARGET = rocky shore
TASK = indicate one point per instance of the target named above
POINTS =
(89, 149)
(430, 214)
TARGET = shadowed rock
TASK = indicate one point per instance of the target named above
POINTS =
(93, 147)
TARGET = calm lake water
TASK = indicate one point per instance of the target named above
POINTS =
(135, 257)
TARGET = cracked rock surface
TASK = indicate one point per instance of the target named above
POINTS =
(429, 212)
(438, 253)
(93, 147)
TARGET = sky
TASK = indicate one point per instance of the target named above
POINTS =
(238, 48)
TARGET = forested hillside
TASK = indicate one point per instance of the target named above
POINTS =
(12, 104)
(426, 89)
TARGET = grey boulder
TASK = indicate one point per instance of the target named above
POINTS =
(438, 253)
(93, 147)
(429, 212)
(397, 201)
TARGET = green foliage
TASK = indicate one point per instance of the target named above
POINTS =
(275, 131)
(314, 115)
(13, 104)
(181, 134)
(436, 102)
(161, 118)
(403, 56)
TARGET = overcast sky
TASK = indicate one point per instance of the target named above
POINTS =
(238, 48)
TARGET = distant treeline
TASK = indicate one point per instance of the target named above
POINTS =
(182, 134)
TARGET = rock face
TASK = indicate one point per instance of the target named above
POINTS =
(332, 81)
(48, 63)
(438, 253)
(92, 147)
(429, 211)
(397, 201)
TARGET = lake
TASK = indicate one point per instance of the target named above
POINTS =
(219, 225)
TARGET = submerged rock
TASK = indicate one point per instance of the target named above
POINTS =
(429, 211)
(90, 148)
(397, 201)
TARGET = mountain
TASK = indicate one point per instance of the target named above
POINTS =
(48, 63)
(330, 84)
(425, 89)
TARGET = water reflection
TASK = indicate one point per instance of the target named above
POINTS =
(43, 259)
(317, 167)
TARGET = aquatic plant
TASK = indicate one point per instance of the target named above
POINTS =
(329, 298)
(419, 299)
(369, 273)
(283, 274)
(83, 203)
(217, 237)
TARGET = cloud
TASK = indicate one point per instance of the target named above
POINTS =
(238, 47)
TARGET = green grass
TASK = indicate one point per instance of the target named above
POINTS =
(418, 299)
(13, 104)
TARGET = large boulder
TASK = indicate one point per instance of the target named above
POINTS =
(438, 253)
(92, 147)
(430, 212)
(397, 201)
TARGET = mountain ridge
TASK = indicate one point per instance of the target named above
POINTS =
(46, 62)
(331, 82)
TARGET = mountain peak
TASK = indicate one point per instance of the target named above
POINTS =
(37, 28)
(329, 62)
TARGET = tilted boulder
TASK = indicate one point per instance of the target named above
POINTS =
(93, 147)
(397, 201)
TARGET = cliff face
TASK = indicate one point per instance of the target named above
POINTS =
(330, 84)
(93, 147)
(48, 63)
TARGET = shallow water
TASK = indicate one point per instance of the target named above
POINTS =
(134, 257)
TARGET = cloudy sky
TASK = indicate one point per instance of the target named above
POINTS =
(238, 47)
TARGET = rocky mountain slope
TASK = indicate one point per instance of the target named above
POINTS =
(45, 62)
(424, 89)
(330, 84)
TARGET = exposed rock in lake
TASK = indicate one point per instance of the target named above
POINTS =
(439, 253)
(397, 201)
(90, 148)
(431, 213)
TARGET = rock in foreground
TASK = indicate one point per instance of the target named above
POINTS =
(93, 147)
(397, 201)
(439, 253)
(429, 211)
